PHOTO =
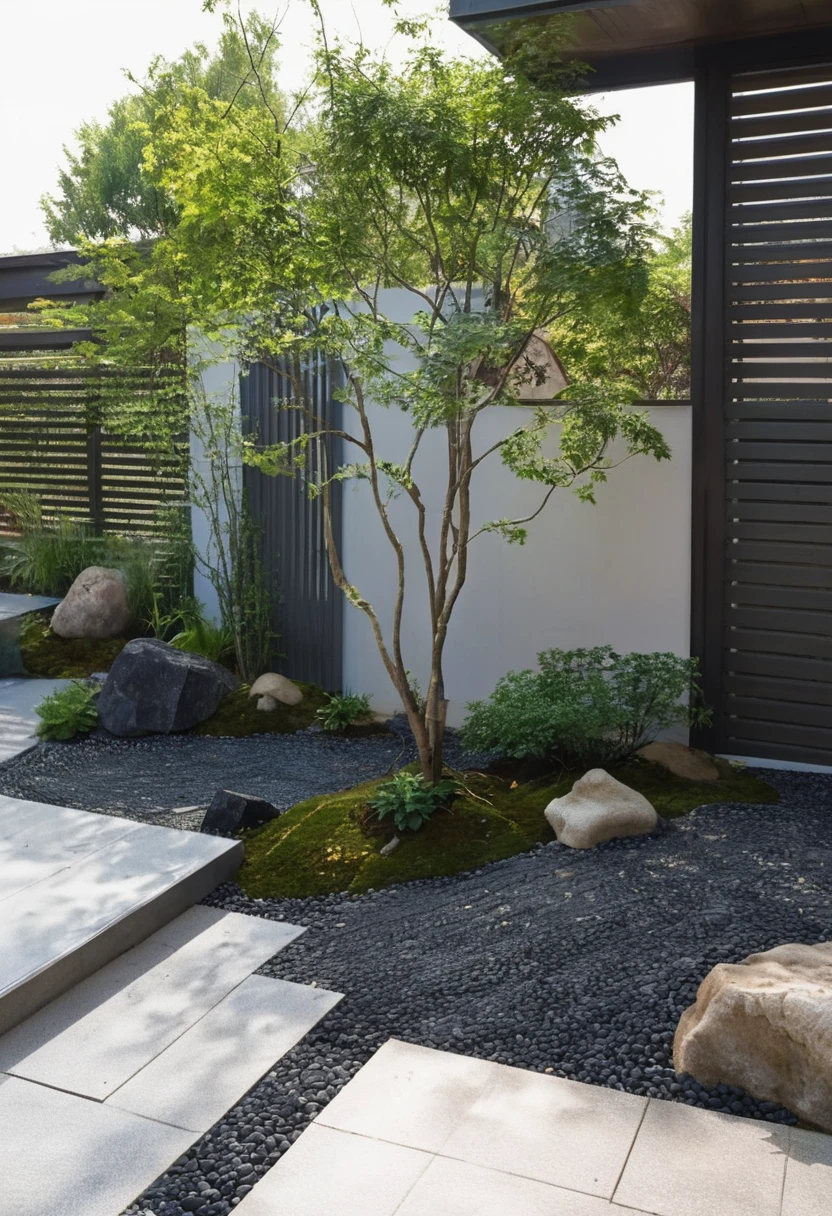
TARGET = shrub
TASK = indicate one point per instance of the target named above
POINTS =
(342, 709)
(410, 800)
(586, 707)
(68, 712)
(215, 642)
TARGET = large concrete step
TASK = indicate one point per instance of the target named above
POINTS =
(78, 889)
(108, 1085)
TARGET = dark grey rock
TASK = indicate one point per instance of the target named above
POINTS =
(231, 812)
(153, 688)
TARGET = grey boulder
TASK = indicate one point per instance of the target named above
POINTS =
(94, 607)
(153, 688)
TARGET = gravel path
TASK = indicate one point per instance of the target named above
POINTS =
(578, 963)
(147, 778)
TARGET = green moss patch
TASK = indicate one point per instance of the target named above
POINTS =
(50, 657)
(327, 844)
(238, 717)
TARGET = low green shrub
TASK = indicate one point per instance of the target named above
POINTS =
(586, 707)
(68, 712)
(410, 800)
(215, 642)
(343, 709)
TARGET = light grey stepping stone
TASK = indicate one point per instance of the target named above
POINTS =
(57, 932)
(686, 1162)
(409, 1095)
(66, 1156)
(455, 1188)
(516, 1122)
(206, 1071)
(327, 1172)
(96, 1037)
(37, 841)
(808, 1189)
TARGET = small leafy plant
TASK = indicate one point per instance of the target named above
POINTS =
(343, 709)
(410, 800)
(68, 712)
(215, 642)
(586, 707)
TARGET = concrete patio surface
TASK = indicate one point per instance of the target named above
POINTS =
(159, 1025)
(420, 1132)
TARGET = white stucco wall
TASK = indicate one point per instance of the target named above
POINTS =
(219, 381)
(617, 572)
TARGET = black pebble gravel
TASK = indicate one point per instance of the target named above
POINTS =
(574, 963)
(150, 778)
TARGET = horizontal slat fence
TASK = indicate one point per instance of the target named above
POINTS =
(53, 446)
(777, 674)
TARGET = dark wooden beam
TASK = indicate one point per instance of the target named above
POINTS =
(48, 339)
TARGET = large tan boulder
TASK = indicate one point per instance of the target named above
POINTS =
(278, 688)
(94, 607)
(599, 808)
(765, 1025)
(687, 762)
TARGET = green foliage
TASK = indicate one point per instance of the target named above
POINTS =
(50, 554)
(411, 800)
(215, 642)
(68, 712)
(342, 709)
(647, 346)
(323, 845)
(585, 707)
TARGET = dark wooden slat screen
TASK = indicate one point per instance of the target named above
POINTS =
(308, 616)
(51, 445)
(777, 662)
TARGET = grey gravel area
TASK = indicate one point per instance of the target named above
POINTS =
(153, 779)
(576, 963)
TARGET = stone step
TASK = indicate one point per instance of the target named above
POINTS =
(79, 889)
(106, 1087)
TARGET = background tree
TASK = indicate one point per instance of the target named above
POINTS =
(647, 343)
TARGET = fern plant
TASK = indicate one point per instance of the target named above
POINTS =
(68, 712)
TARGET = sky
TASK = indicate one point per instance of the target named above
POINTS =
(63, 63)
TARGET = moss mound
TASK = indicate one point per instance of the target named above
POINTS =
(45, 654)
(325, 844)
(238, 716)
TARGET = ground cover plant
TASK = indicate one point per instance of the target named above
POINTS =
(68, 712)
(330, 843)
(238, 715)
(48, 656)
(343, 709)
(586, 707)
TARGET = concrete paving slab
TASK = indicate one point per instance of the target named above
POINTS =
(808, 1189)
(93, 1039)
(456, 1188)
(18, 720)
(57, 932)
(555, 1131)
(409, 1095)
(208, 1069)
(13, 604)
(691, 1162)
(328, 1171)
(68, 1156)
(37, 841)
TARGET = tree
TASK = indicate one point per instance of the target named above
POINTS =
(649, 345)
(482, 196)
(105, 190)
